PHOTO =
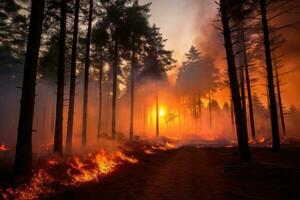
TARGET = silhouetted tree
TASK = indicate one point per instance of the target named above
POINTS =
(236, 98)
(72, 78)
(86, 75)
(23, 158)
(58, 138)
(270, 78)
(136, 23)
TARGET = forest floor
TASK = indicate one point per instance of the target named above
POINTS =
(192, 172)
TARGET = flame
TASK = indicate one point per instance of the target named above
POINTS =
(78, 171)
(3, 147)
(37, 186)
(125, 158)
(100, 165)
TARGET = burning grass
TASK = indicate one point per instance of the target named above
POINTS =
(57, 174)
(70, 173)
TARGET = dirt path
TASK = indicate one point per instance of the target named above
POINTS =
(191, 173)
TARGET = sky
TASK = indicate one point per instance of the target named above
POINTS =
(192, 22)
(179, 21)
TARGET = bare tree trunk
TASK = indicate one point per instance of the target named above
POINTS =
(100, 94)
(58, 138)
(269, 65)
(280, 103)
(157, 112)
(210, 111)
(239, 119)
(133, 69)
(248, 84)
(23, 158)
(243, 95)
(86, 76)
(232, 115)
(73, 79)
(115, 84)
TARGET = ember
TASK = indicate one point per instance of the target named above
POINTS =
(3, 147)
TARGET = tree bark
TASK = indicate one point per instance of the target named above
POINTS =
(133, 69)
(115, 84)
(248, 84)
(157, 112)
(73, 79)
(86, 77)
(58, 138)
(100, 94)
(269, 65)
(210, 111)
(23, 158)
(239, 119)
(280, 103)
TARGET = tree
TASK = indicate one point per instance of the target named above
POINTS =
(73, 78)
(113, 24)
(23, 158)
(235, 93)
(157, 60)
(136, 23)
(270, 78)
(197, 74)
(239, 14)
(58, 137)
(100, 40)
(86, 75)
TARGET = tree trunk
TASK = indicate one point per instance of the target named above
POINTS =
(239, 119)
(100, 94)
(248, 84)
(210, 111)
(269, 65)
(86, 76)
(115, 84)
(133, 68)
(23, 158)
(280, 103)
(73, 79)
(58, 138)
(157, 112)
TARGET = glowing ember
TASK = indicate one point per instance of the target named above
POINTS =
(52, 162)
(39, 185)
(148, 151)
(3, 147)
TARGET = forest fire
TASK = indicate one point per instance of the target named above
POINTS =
(101, 164)
(121, 95)
(78, 171)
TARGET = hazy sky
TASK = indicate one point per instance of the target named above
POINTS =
(179, 21)
(190, 22)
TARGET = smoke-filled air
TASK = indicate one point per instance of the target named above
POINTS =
(149, 99)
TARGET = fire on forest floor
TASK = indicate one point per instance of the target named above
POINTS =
(77, 170)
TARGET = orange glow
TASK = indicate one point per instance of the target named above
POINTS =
(3, 147)
(162, 112)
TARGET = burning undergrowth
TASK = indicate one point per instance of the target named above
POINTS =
(56, 174)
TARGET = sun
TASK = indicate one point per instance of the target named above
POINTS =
(162, 112)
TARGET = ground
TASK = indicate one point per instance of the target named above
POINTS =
(192, 172)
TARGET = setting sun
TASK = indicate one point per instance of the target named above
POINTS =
(162, 112)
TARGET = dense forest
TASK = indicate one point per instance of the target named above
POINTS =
(88, 85)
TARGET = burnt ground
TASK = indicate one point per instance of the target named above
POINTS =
(199, 173)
